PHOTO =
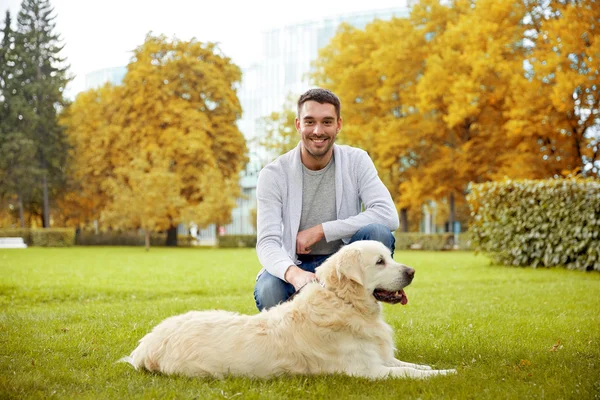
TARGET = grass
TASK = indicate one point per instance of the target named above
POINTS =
(66, 316)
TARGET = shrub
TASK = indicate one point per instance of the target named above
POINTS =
(119, 238)
(538, 223)
(53, 237)
(424, 241)
(230, 241)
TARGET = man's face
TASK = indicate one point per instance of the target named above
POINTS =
(318, 126)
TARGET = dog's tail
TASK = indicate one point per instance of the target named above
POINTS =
(129, 360)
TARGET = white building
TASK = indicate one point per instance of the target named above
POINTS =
(288, 53)
(97, 78)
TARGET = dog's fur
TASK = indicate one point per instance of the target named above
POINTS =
(331, 326)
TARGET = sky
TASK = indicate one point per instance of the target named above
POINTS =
(102, 33)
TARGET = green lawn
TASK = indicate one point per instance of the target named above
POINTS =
(66, 316)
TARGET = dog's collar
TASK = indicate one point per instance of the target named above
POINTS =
(298, 291)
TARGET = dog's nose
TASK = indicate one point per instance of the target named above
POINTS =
(410, 273)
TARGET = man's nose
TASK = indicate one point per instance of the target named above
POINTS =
(318, 129)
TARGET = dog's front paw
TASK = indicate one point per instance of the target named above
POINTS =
(447, 371)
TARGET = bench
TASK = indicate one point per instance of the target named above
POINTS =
(12, 243)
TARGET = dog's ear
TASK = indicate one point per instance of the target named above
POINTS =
(349, 264)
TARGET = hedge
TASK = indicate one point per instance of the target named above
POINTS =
(232, 241)
(127, 238)
(46, 237)
(538, 223)
(424, 241)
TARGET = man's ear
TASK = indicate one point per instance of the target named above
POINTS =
(349, 264)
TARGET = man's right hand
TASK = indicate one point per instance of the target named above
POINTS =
(298, 277)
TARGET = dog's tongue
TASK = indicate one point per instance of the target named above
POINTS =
(404, 299)
(391, 297)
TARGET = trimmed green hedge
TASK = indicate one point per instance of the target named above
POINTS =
(538, 223)
(118, 238)
(232, 241)
(43, 237)
(424, 241)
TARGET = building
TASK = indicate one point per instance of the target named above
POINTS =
(98, 78)
(288, 53)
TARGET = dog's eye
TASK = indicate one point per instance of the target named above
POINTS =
(380, 261)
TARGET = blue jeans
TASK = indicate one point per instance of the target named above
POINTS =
(270, 290)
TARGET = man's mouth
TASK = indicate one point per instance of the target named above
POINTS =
(391, 297)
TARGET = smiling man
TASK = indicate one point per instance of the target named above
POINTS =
(314, 199)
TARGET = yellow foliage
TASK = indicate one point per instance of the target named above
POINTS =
(445, 97)
(163, 147)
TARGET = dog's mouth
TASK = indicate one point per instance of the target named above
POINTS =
(390, 297)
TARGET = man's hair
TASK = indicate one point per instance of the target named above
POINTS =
(320, 96)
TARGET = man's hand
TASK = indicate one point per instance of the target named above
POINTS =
(298, 277)
(306, 238)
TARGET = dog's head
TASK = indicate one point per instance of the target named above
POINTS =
(363, 270)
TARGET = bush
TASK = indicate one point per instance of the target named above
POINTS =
(119, 238)
(231, 241)
(424, 241)
(538, 223)
(53, 237)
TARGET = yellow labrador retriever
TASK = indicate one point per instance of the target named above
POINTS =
(331, 326)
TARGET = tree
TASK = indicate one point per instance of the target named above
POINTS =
(91, 135)
(18, 170)
(375, 73)
(442, 99)
(555, 105)
(164, 144)
(34, 79)
(462, 93)
(280, 131)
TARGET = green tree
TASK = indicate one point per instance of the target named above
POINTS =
(18, 170)
(35, 83)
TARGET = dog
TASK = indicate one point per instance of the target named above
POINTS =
(333, 326)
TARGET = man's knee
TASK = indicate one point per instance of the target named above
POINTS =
(270, 291)
(378, 232)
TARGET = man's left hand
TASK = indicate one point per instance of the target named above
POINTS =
(306, 238)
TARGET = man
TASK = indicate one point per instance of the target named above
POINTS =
(309, 202)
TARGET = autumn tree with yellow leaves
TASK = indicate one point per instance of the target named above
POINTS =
(163, 147)
(280, 135)
(555, 106)
(469, 91)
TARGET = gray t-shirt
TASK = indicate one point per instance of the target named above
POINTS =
(318, 204)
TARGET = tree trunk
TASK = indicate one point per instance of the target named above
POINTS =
(21, 212)
(147, 240)
(404, 220)
(451, 216)
(46, 211)
(172, 236)
(452, 241)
